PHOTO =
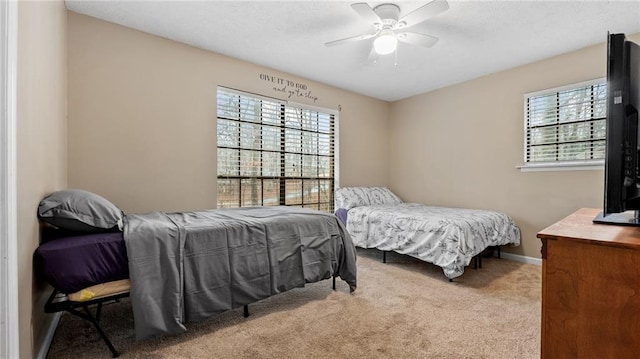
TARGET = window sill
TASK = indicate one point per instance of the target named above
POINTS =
(562, 166)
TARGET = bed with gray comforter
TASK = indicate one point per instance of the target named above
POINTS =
(188, 266)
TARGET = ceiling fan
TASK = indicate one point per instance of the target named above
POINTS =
(389, 27)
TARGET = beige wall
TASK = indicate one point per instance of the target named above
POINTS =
(142, 118)
(459, 146)
(41, 147)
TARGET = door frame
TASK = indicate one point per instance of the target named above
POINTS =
(9, 318)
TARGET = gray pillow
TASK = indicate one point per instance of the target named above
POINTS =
(78, 210)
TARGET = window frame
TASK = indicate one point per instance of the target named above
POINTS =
(283, 111)
(574, 165)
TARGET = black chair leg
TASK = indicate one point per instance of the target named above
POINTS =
(246, 310)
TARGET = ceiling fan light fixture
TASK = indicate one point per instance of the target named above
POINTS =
(385, 43)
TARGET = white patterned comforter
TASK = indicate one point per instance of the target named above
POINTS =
(446, 237)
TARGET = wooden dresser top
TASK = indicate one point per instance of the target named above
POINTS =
(579, 226)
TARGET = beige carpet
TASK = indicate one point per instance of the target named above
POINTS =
(402, 309)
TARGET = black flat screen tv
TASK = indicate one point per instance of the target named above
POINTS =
(621, 172)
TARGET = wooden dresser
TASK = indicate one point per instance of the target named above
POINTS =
(590, 289)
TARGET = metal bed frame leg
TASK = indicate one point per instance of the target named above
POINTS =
(384, 256)
(59, 302)
(499, 252)
(245, 307)
(98, 311)
(87, 316)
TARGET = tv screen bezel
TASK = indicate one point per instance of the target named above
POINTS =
(621, 191)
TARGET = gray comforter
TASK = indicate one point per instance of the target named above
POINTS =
(188, 266)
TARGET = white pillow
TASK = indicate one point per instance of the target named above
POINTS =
(349, 197)
(382, 195)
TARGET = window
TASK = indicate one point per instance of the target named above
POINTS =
(566, 127)
(272, 153)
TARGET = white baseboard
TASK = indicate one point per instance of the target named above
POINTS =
(520, 258)
(48, 338)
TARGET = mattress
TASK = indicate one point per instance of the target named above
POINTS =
(72, 263)
(447, 237)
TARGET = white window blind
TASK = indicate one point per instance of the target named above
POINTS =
(274, 153)
(566, 125)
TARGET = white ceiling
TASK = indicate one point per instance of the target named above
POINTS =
(476, 37)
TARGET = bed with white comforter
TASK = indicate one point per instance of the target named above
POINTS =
(446, 237)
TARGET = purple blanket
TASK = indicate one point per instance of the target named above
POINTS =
(341, 213)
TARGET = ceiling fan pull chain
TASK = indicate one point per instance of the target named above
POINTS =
(395, 63)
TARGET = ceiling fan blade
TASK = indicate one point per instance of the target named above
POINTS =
(423, 13)
(366, 12)
(350, 39)
(414, 38)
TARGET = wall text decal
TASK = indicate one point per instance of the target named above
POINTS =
(290, 89)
